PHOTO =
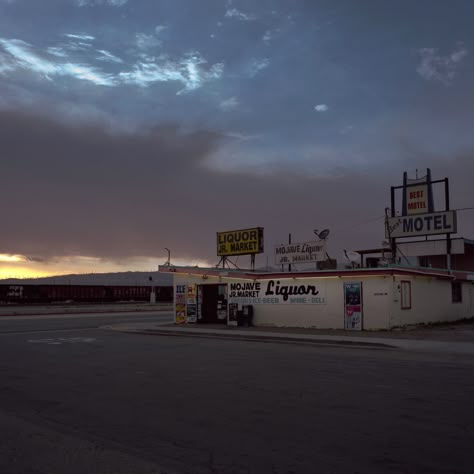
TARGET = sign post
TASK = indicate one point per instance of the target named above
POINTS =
(419, 218)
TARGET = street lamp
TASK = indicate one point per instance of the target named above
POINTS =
(168, 262)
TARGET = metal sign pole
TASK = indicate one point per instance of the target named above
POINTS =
(448, 236)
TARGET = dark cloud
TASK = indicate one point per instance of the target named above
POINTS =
(84, 190)
(123, 170)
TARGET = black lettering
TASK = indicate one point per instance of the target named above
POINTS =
(269, 290)
(428, 222)
(408, 225)
(446, 225)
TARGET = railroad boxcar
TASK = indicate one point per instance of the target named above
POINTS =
(29, 294)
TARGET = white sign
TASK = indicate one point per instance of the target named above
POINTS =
(417, 199)
(303, 252)
(275, 292)
(422, 224)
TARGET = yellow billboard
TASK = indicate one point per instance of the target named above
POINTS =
(240, 242)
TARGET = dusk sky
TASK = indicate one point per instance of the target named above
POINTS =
(128, 126)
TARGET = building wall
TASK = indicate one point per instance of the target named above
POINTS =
(460, 262)
(376, 301)
(431, 301)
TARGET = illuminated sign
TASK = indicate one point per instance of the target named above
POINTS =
(422, 224)
(240, 242)
(300, 252)
(417, 199)
(417, 194)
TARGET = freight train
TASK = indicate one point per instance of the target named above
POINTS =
(28, 294)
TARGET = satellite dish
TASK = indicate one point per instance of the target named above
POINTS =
(352, 256)
(323, 235)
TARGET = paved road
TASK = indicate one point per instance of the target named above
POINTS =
(45, 323)
(84, 399)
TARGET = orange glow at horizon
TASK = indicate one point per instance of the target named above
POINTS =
(18, 267)
(8, 258)
(21, 272)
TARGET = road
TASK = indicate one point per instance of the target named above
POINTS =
(76, 398)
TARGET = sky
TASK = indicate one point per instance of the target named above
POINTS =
(131, 126)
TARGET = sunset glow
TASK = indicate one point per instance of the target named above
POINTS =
(128, 126)
(11, 258)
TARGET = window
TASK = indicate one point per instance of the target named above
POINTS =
(456, 292)
(405, 290)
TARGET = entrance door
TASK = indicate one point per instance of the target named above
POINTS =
(213, 304)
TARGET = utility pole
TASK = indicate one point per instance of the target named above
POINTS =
(289, 242)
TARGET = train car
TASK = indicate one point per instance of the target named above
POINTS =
(34, 294)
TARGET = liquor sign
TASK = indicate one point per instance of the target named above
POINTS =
(240, 242)
(353, 306)
(300, 252)
(278, 292)
(422, 224)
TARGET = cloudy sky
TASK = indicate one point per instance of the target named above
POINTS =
(128, 126)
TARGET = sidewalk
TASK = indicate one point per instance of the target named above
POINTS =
(452, 338)
(84, 308)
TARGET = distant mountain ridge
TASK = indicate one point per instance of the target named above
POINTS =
(114, 279)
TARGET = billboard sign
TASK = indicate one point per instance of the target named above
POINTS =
(303, 252)
(240, 242)
(422, 224)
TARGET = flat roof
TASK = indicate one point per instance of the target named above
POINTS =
(351, 273)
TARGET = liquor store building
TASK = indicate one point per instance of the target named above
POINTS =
(360, 299)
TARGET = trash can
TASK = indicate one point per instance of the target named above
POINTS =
(247, 315)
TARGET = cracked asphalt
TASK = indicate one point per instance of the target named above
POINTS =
(75, 398)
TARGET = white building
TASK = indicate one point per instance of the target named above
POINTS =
(368, 299)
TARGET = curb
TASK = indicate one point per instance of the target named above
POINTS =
(99, 311)
(259, 338)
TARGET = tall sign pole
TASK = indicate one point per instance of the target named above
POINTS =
(418, 217)
(289, 243)
(448, 236)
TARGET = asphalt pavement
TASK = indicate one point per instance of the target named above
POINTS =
(76, 397)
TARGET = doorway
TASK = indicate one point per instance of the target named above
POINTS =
(213, 304)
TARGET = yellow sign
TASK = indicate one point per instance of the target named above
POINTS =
(240, 242)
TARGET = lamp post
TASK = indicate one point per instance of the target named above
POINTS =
(152, 292)
(168, 262)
